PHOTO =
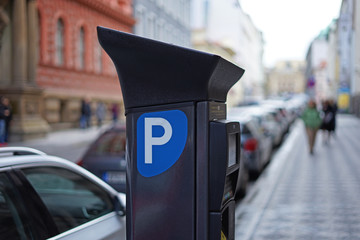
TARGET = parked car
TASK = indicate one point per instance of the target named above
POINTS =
(256, 146)
(296, 105)
(46, 197)
(267, 123)
(243, 179)
(280, 115)
(274, 128)
(106, 157)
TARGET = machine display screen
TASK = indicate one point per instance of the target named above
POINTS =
(232, 154)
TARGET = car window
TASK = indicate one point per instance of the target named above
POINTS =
(11, 223)
(270, 117)
(244, 129)
(70, 198)
(110, 143)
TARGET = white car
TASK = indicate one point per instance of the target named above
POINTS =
(46, 197)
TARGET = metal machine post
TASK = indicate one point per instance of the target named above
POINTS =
(182, 155)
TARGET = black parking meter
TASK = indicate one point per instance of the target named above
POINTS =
(182, 154)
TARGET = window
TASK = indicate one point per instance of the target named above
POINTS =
(110, 143)
(139, 24)
(244, 129)
(70, 198)
(81, 48)
(11, 223)
(98, 58)
(151, 27)
(59, 42)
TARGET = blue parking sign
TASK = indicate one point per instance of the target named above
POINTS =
(161, 139)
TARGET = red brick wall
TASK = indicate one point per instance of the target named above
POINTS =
(77, 83)
(88, 14)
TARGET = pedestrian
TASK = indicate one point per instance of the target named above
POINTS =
(328, 121)
(8, 118)
(85, 113)
(115, 113)
(4, 112)
(312, 121)
(82, 116)
(100, 113)
(335, 110)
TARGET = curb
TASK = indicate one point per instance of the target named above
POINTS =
(255, 202)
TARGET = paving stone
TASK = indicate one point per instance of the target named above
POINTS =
(310, 196)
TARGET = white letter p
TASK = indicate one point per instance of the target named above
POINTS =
(150, 140)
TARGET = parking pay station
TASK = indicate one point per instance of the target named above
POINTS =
(182, 154)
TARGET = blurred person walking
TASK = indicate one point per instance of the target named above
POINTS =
(100, 113)
(335, 110)
(115, 113)
(8, 118)
(312, 121)
(328, 121)
(4, 112)
(85, 113)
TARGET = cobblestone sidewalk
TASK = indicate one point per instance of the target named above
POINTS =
(301, 196)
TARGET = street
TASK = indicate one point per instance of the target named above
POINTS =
(298, 196)
(190, 119)
(302, 196)
(69, 144)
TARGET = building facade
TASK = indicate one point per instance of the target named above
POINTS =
(237, 32)
(51, 59)
(338, 76)
(345, 32)
(355, 67)
(201, 43)
(163, 20)
(322, 68)
(287, 77)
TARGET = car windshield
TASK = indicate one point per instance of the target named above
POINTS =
(111, 143)
(244, 129)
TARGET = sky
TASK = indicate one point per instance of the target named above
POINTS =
(289, 26)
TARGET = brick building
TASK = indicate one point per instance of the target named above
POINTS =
(56, 60)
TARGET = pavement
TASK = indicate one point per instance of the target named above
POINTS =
(303, 196)
(70, 144)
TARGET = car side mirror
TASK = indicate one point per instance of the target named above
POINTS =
(120, 204)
